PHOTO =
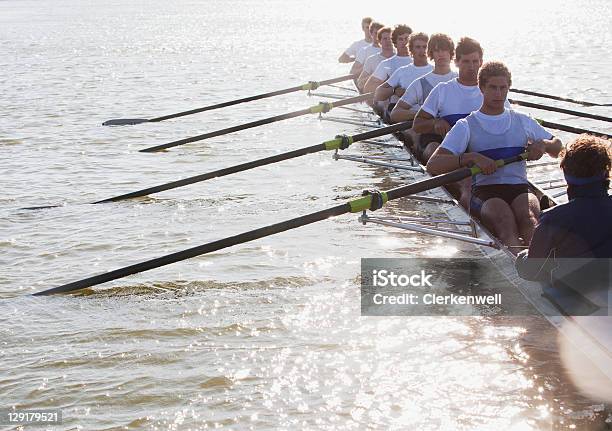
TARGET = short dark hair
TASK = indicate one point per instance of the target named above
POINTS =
(491, 69)
(587, 156)
(417, 36)
(440, 41)
(466, 46)
(380, 32)
(398, 31)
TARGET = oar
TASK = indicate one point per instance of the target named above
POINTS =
(563, 99)
(561, 110)
(340, 142)
(312, 85)
(370, 201)
(322, 107)
(570, 129)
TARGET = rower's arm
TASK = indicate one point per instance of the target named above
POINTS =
(363, 77)
(443, 161)
(401, 112)
(424, 122)
(553, 146)
(399, 91)
(383, 92)
(356, 68)
(345, 58)
(371, 84)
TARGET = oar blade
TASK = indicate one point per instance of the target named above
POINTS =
(40, 208)
(125, 121)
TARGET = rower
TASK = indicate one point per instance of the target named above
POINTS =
(368, 50)
(348, 56)
(394, 87)
(500, 197)
(448, 102)
(383, 36)
(582, 227)
(441, 50)
(399, 36)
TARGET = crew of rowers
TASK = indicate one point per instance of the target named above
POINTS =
(463, 118)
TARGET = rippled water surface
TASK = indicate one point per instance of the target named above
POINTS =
(267, 334)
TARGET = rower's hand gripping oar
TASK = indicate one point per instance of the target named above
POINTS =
(563, 99)
(372, 201)
(322, 107)
(312, 85)
(340, 142)
(561, 110)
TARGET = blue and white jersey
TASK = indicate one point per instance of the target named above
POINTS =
(386, 67)
(452, 101)
(417, 92)
(496, 137)
(352, 50)
(365, 52)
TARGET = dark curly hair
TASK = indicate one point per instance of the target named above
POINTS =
(467, 45)
(417, 36)
(440, 41)
(398, 30)
(491, 69)
(587, 156)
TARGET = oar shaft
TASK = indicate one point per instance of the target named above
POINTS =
(199, 250)
(356, 205)
(253, 124)
(226, 131)
(571, 129)
(550, 96)
(254, 164)
(248, 99)
(218, 173)
(382, 131)
(561, 110)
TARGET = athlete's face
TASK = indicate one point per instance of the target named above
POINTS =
(373, 31)
(402, 40)
(419, 49)
(385, 40)
(468, 66)
(494, 92)
(441, 57)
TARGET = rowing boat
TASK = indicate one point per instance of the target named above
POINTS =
(588, 334)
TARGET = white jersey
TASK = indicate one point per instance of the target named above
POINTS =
(415, 96)
(365, 52)
(404, 76)
(452, 101)
(352, 50)
(373, 61)
(386, 67)
(457, 139)
(497, 137)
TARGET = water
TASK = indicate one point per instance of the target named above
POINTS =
(265, 334)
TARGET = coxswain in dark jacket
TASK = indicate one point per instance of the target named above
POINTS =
(581, 228)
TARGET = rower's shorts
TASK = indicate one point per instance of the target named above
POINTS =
(507, 192)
